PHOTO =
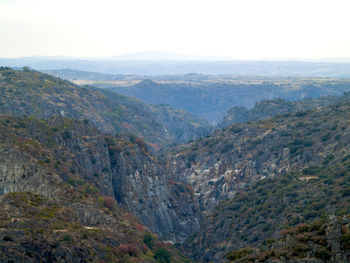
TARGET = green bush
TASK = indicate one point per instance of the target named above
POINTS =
(149, 240)
(163, 255)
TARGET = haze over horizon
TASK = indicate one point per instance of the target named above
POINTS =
(158, 55)
(240, 29)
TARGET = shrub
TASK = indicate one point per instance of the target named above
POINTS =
(148, 239)
(124, 249)
(163, 255)
(109, 202)
(72, 182)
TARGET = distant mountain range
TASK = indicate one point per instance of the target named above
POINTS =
(162, 55)
(165, 55)
(160, 62)
(146, 55)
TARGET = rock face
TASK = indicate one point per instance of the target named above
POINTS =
(234, 115)
(182, 125)
(232, 159)
(72, 152)
(61, 147)
(18, 173)
(257, 216)
(141, 186)
(269, 172)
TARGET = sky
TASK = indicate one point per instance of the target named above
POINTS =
(239, 29)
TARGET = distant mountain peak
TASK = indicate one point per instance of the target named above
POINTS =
(164, 55)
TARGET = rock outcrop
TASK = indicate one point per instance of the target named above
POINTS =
(250, 180)
(234, 158)
(43, 157)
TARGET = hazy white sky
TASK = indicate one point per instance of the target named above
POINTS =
(244, 29)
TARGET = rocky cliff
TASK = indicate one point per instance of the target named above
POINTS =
(233, 158)
(74, 152)
(58, 185)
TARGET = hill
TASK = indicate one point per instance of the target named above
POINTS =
(73, 74)
(326, 240)
(251, 180)
(33, 93)
(270, 108)
(211, 97)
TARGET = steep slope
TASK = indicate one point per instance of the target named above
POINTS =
(83, 228)
(271, 108)
(29, 92)
(292, 168)
(257, 216)
(233, 158)
(322, 241)
(141, 186)
(74, 152)
(57, 197)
